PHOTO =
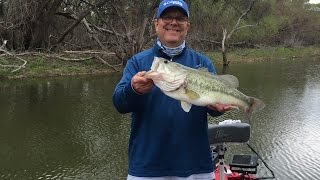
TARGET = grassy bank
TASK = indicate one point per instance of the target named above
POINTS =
(265, 54)
(44, 66)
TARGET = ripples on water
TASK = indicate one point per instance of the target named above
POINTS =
(286, 133)
(67, 128)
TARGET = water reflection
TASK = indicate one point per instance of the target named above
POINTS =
(61, 128)
(67, 128)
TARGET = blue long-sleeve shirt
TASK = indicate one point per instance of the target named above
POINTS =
(164, 140)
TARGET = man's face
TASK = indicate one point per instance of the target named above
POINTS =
(172, 27)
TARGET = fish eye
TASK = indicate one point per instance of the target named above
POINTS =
(166, 61)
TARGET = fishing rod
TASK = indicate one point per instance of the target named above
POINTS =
(264, 163)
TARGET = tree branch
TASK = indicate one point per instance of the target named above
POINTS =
(90, 31)
(79, 19)
(70, 28)
(13, 55)
(242, 16)
(105, 62)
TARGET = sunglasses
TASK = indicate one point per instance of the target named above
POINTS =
(179, 19)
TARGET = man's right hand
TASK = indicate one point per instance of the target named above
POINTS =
(141, 84)
(221, 107)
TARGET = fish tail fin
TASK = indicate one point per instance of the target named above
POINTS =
(256, 105)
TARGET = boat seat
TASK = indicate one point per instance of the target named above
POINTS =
(228, 133)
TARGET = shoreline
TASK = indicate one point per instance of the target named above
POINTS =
(266, 54)
(45, 67)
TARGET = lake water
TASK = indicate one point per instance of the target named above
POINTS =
(67, 128)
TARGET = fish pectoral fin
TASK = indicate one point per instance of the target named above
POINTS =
(191, 94)
(186, 106)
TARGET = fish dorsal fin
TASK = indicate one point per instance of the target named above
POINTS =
(186, 106)
(204, 71)
(229, 80)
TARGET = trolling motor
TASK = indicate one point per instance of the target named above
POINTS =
(241, 167)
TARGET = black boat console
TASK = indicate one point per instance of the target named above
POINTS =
(229, 133)
(235, 133)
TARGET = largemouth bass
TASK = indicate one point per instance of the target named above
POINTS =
(199, 87)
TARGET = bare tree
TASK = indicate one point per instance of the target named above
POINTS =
(27, 23)
(125, 27)
(130, 24)
(226, 35)
(120, 26)
(80, 18)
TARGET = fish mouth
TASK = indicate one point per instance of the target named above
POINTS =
(155, 64)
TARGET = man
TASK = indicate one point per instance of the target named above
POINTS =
(165, 142)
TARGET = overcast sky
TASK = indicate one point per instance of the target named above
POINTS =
(314, 1)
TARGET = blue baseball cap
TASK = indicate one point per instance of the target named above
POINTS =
(173, 3)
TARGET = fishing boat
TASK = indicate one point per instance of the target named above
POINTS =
(241, 166)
